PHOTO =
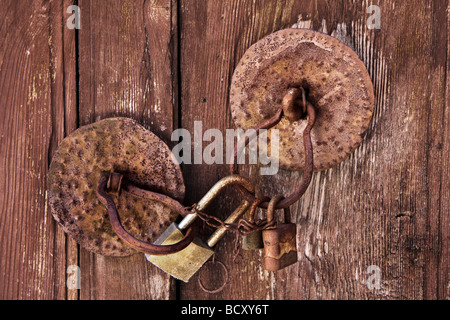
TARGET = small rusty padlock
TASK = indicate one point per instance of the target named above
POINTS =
(254, 240)
(280, 243)
(185, 263)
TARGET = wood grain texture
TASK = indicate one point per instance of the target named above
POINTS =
(64, 121)
(125, 69)
(29, 268)
(70, 99)
(168, 63)
(386, 205)
(214, 35)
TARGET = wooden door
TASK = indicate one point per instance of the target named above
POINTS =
(374, 227)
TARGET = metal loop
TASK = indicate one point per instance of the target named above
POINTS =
(137, 244)
(200, 283)
(254, 206)
(291, 102)
(197, 209)
(309, 158)
(154, 196)
(220, 185)
(271, 209)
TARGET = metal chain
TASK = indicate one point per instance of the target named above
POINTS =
(243, 226)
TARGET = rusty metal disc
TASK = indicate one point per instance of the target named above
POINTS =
(120, 145)
(336, 82)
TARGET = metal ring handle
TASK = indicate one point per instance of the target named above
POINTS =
(309, 158)
(116, 183)
(272, 207)
(137, 244)
(222, 286)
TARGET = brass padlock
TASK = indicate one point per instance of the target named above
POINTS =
(185, 263)
(280, 243)
(254, 240)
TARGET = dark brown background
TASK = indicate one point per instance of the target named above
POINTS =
(168, 63)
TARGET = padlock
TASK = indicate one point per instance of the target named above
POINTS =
(254, 240)
(185, 263)
(280, 243)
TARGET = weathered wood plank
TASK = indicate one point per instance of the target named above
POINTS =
(429, 238)
(410, 149)
(126, 56)
(214, 35)
(31, 122)
(387, 206)
(70, 103)
(443, 276)
(382, 209)
(64, 121)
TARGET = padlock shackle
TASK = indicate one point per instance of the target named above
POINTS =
(212, 194)
(220, 185)
(254, 206)
(235, 216)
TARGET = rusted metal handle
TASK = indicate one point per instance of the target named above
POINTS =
(271, 209)
(290, 104)
(115, 182)
(309, 158)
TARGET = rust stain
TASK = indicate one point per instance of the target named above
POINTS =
(121, 145)
(337, 84)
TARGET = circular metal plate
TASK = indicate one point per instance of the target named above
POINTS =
(337, 85)
(120, 145)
